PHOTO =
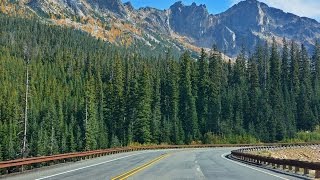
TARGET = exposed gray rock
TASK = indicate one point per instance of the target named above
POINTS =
(114, 6)
(244, 24)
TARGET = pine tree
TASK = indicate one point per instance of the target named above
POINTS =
(202, 100)
(284, 68)
(90, 116)
(117, 96)
(173, 88)
(214, 90)
(305, 118)
(141, 125)
(187, 108)
(316, 80)
(289, 116)
(71, 140)
(254, 94)
(155, 109)
(238, 85)
(131, 109)
(276, 124)
(294, 71)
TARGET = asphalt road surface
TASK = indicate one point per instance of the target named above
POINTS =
(208, 163)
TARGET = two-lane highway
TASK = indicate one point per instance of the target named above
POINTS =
(205, 164)
(208, 163)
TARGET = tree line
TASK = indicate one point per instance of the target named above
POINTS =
(85, 94)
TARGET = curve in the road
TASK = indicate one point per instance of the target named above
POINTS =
(181, 164)
(250, 167)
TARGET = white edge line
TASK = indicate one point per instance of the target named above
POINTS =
(46, 177)
(259, 170)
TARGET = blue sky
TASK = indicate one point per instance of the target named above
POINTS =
(214, 6)
(306, 8)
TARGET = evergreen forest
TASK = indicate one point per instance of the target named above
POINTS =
(72, 92)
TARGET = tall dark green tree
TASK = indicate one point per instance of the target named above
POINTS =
(276, 124)
(155, 109)
(177, 133)
(203, 85)
(117, 129)
(187, 109)
(305, 118)
(316, 79)
(239, 90)
(141, 125)
(90, 116)
(254, 94)
(214, 89)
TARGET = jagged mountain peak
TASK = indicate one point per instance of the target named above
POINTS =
(180, 6)
(190, 19)
(244, 24)
(129, 6)
(177, 4)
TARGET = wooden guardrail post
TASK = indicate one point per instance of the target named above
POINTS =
(284, 167)
(296, 169)
(305, 171)
(317, 174)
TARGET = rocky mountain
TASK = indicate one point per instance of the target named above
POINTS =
(246, 23)
(80, 8)
(181, 27)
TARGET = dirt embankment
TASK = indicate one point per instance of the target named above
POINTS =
(311, 154)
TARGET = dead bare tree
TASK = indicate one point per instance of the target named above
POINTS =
(27, 59)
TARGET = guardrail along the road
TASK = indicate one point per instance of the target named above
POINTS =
(19, 165)
(286, 164)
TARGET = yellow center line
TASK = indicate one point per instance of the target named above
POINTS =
(138, 169)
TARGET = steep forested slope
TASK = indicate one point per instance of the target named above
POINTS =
(86, 94)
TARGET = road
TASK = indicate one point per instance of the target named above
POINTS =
(208, 163)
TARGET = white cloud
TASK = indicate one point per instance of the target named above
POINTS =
(305, 8)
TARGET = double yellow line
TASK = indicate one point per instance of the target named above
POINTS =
(140, 168)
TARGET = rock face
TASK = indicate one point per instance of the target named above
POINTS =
(245, 24)
(114, 6)
(189, 21)
(59, 7)
(252, 22)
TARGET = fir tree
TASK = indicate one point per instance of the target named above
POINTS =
(202, 100)
(141, 125)
(187, 109)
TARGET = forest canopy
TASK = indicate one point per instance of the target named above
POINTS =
(86, 94)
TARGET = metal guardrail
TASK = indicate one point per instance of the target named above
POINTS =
(287, 164)
(20, 165)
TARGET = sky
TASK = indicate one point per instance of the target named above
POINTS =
(305, 8)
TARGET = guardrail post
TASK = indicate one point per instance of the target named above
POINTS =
(284, 167)
(317, 175)
(305, 171)
(290, 168)
(296, 169)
